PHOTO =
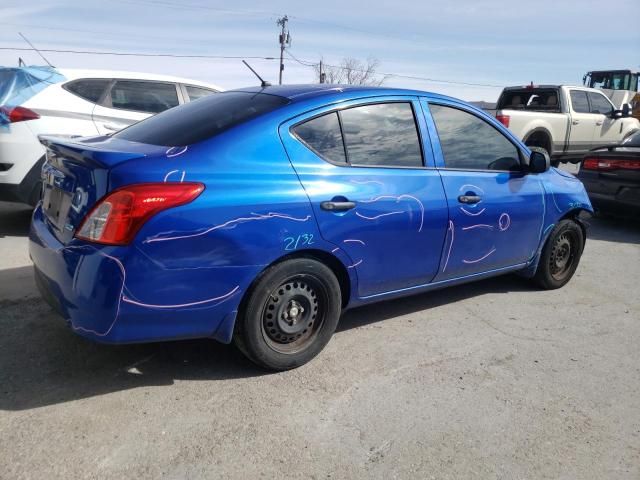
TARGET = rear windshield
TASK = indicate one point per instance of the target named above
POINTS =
(530, 99)
(201, 119)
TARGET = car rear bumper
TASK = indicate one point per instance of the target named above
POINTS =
(612, 195)
(86, 285)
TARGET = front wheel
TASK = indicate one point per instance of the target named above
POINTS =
(560, 255)
(289, 315)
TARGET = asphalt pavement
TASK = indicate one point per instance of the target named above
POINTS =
(495, 379)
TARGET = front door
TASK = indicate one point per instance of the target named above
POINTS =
(496, 210)
(583, 124)
(374, 191)
(607, 128)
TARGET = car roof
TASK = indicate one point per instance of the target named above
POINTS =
(73, 74)
(310, 91)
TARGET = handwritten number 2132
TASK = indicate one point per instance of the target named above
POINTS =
(291, 243)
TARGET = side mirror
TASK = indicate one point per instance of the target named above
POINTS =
(622, 113)
(539, 161)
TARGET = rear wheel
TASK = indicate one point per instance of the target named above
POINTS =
(560, 255)
(290, 314)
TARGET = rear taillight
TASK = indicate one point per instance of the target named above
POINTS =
(607, 165)
(17, 114)
(116, 218)
(503, 119)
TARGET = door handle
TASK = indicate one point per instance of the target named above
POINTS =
(598, 123)
(575, 122)
(469, 199)
(337, 206)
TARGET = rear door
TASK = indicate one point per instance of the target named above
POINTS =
(496, 209)
(583, 123)
(129, 101)
(368, 172)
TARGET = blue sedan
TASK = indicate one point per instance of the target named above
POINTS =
(259, 215)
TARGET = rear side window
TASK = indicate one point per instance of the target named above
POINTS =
(579, 101)
(197, 92)
(323, 136)
(599, 103)
(88, 89)
(383, 134)
(529, 99)
(470, 143)
(197, 121)
(148, 97)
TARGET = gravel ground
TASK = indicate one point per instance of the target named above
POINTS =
(490, 380)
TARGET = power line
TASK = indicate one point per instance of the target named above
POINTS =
(305, 63)
(137, 54)
(399, 75)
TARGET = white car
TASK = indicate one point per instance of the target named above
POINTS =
(44, 100)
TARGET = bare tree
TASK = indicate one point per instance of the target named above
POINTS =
(353, 72)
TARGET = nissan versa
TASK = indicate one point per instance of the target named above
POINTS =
(258, 215)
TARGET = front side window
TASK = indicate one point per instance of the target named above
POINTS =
(383, 134)
(148, 97)
(470, 143)
(88, 89)
(579, 101)
(599, 103)
(323, 136)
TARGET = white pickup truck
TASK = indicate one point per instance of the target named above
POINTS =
(565, 121)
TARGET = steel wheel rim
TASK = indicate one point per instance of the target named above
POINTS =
(562, 256)
(294, 313)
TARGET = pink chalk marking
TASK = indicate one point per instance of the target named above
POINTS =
(355, 264)
(504, 222)
(354, 240)
(481, 258)
(397, 199)
(183, 305)
(472, 214)
(480, 225)
(175, 151)
(365, 182)
(462, 188)
(166, 177)
(124, 277)
(452, 230)
(229, 223)
(377, 216)
(335, 250)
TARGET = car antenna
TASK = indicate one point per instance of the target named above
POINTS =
(263, 83)
(37, 51)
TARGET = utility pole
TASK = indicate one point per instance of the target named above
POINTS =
(285, 41)
(322, 74)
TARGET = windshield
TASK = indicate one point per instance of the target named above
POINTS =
(614, 81)
(201, 119)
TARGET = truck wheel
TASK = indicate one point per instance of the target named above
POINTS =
(290, 314)
(560, 255)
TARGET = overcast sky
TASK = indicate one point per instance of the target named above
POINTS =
(491, 42)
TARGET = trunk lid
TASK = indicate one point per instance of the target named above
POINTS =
(76, 175)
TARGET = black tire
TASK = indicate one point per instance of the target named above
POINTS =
(560, 255)
(289, 315)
